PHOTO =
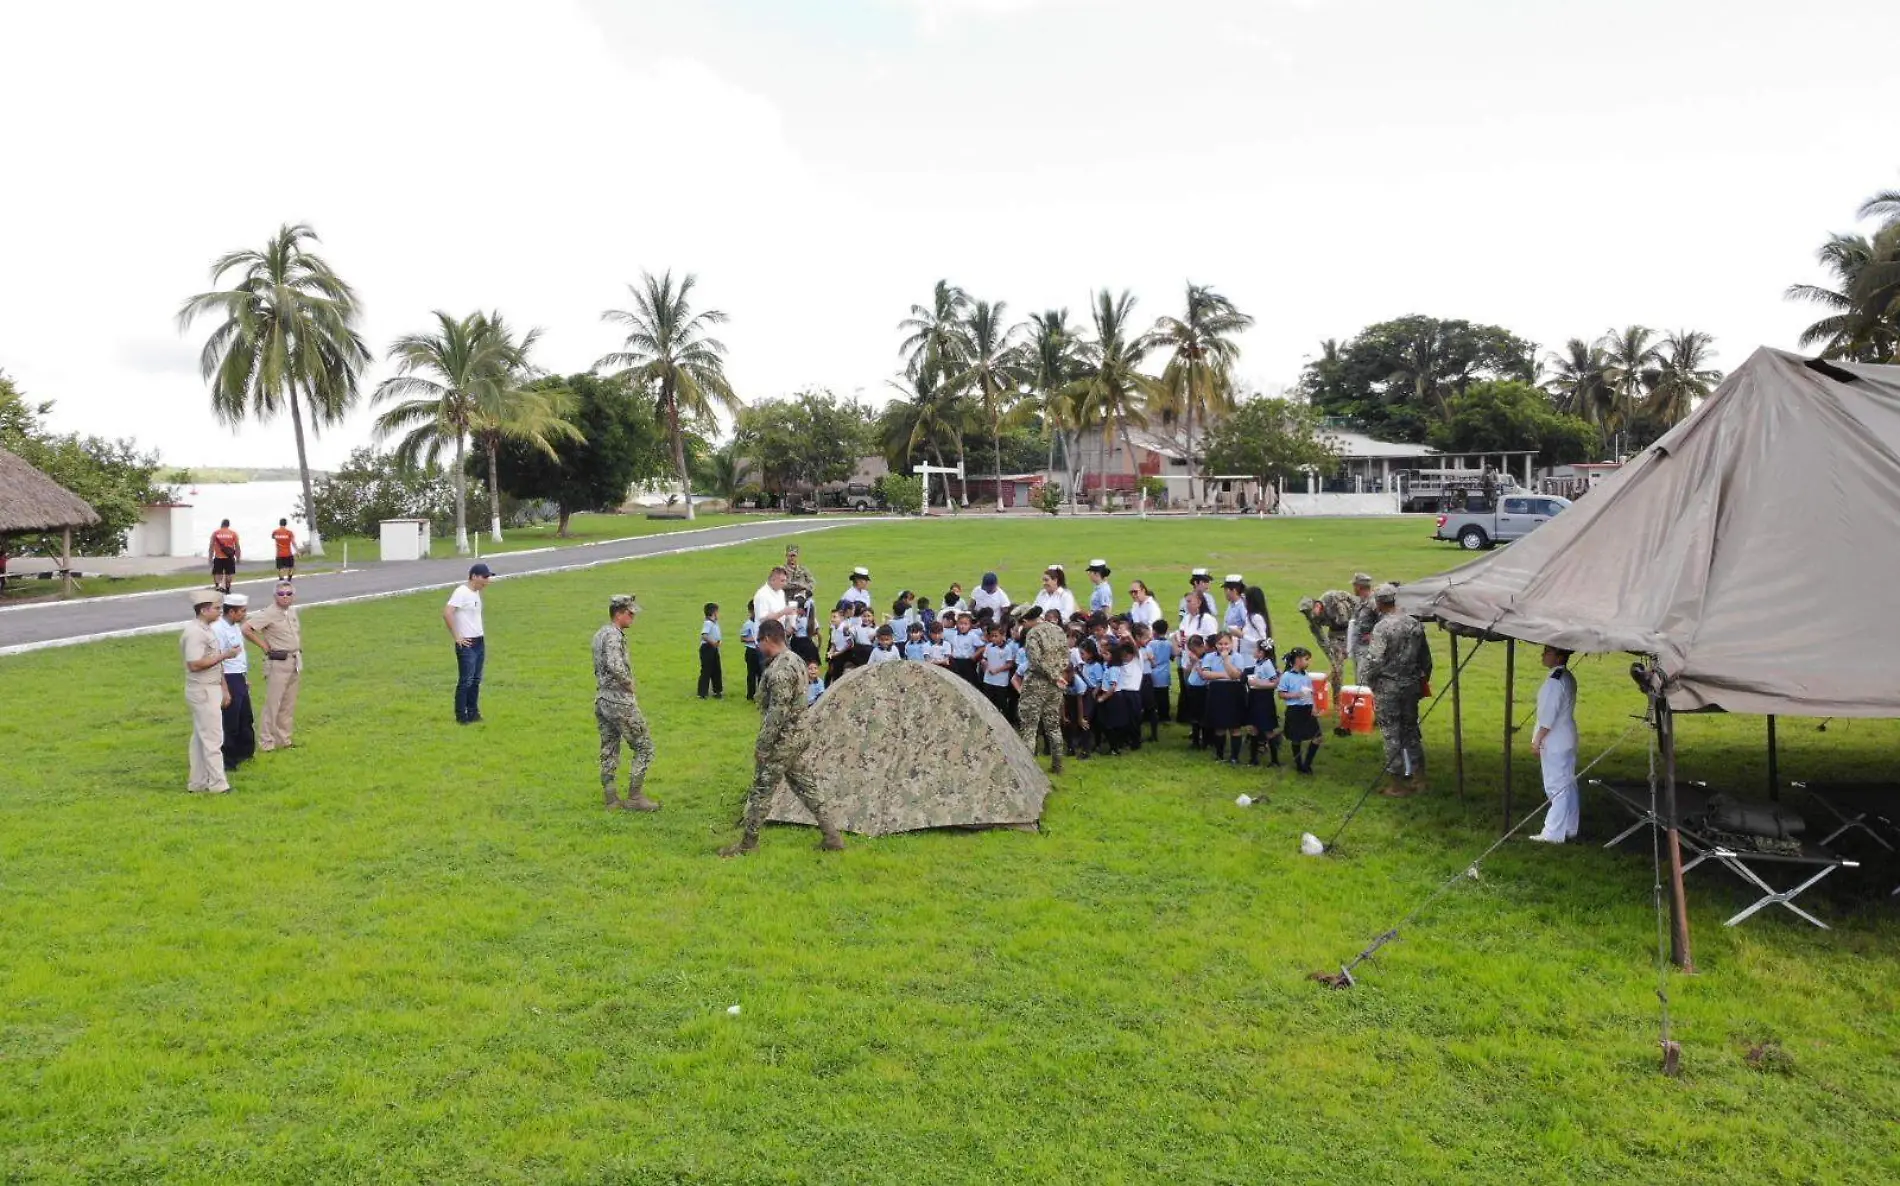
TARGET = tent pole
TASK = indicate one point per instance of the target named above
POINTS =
(1679, 951)
(1510, 708)
(1457, 720)
(1774, 763)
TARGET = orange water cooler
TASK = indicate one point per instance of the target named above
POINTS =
(1356, 708)
(1322, 692)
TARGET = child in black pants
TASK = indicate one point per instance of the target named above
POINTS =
(709, 673)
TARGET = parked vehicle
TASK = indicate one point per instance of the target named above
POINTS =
(1441, 489)
(858, 497)
(1515, 517)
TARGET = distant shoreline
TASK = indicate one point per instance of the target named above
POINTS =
(193, 475)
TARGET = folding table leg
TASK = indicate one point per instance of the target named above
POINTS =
(1635, 827)
(1772, 895)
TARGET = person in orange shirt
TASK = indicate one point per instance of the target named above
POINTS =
(224, 556)
(286, 541)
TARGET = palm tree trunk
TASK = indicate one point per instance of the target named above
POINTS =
(494, 492)
(963, 479)
(996, 447)
(1128, 447)
(461, 494)
(1190, 445)
(561, 531)
(679, 442)
(303, 472)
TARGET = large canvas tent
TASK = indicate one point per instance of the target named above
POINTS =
(1745, 553)
(1746, 550)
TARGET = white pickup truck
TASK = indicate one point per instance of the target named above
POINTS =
(1515, 516)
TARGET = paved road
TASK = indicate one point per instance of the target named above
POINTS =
(66, 623)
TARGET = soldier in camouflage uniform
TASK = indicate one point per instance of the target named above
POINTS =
(1330, 617)
(1365, 616)
(779, 755)
(1041, 684)
(1397, 663)
(616, 711)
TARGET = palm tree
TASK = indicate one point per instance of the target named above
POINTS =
(1683, 377)
(668, 353)
(1581, 382)
(509, 410)
(724, 472)
(1633, 356)
(444, 381)
(1199, 377)
(288, 328)
(1111, 389)
(1052, 365)
(1851, 330)
(924, 417)
(935, 334)
(995, 373)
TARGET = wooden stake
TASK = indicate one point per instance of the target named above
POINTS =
(1457, 720)
(1510, 708)
(1774, 763)
(1679, 949)
(66, 563)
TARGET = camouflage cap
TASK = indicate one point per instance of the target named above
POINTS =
(1362, 578)
(1307, 604)
(1387, 594)
(622, 603)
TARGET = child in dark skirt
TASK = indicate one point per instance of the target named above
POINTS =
(1128, 692)
(1263, 711)
(1224, 718)
(1094, 675)
(1302, 723)
(1193, 690)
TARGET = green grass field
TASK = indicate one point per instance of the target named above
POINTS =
(411, 951)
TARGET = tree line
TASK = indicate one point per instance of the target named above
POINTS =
(1863, 306)
(1465, 386)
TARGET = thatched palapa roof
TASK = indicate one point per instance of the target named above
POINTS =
(30, 501)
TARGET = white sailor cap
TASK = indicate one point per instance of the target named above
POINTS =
(236, 601)
(1098, 564)
(1199, 574)
(861, 571)
(1234, 578)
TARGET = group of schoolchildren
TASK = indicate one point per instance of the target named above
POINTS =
(1122, 667)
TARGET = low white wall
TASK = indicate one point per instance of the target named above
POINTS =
(1293, 503)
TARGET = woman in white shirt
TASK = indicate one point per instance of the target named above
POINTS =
(1199, 619)
(1055, 597)
(1257, 628)
(1144, 610)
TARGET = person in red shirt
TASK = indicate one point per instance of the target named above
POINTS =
(286, 541)
(224, 556)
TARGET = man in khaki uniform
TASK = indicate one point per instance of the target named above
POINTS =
(205, 692)
(279, 634)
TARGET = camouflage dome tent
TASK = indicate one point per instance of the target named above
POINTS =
(904, 746)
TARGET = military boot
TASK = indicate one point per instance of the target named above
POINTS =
(833, 842)
(1396, 787)
(638, 801)
(1055, 763)
(749, 843)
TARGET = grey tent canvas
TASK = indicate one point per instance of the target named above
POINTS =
(1751, 550)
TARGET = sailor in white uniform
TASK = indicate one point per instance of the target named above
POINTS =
(1555, 744)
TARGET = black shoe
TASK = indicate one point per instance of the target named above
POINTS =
(476, 719)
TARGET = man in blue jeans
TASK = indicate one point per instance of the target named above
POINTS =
(463, 616)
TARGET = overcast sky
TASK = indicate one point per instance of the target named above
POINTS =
(1555, 168)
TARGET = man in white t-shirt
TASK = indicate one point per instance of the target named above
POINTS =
(990, 596)
(770, 604)
(463, 616)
